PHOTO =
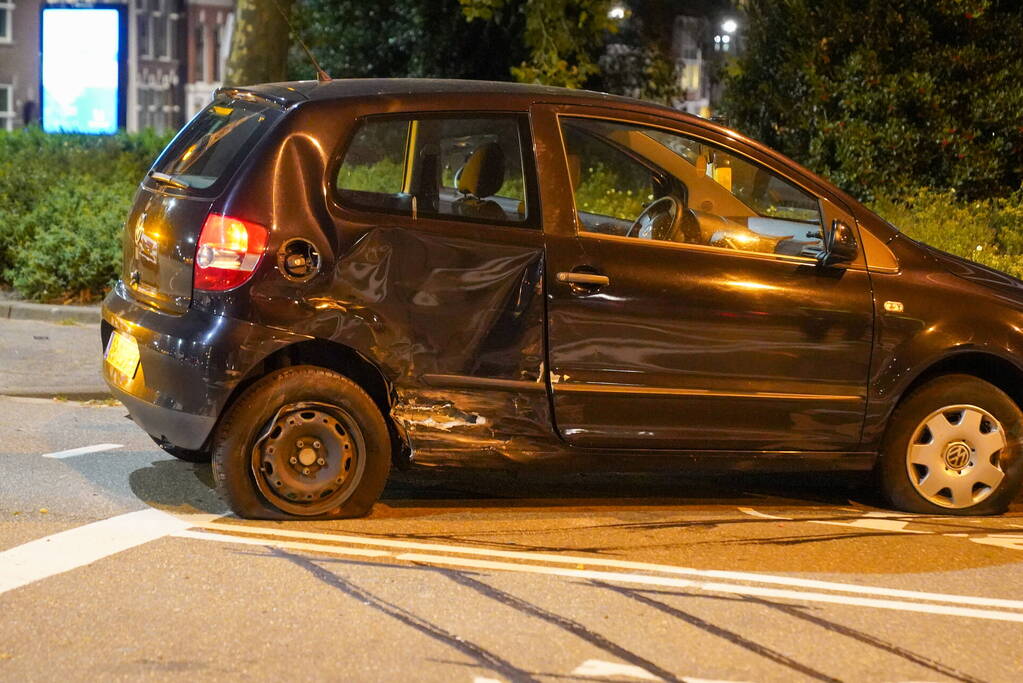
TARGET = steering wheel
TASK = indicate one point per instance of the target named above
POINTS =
(660, 220)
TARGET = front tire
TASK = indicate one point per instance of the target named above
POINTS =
(302, 443)
(953, 447)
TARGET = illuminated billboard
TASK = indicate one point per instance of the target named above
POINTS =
(83, 69)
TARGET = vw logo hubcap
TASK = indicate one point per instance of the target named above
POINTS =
(957, 455)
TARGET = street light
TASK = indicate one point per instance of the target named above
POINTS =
(729, 25)
(616, 12)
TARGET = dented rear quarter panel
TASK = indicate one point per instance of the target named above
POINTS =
(451, 313)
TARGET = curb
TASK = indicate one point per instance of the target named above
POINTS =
(22, 310)
(69, 394)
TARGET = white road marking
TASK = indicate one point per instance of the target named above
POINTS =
(67, 550)
(877, 521)
(291, 545)
(1008, 541)
(712, 587)
(579, 560)
(762, 515)
(897, 523)
(664, 581)
(597, 667)
(83, 450)
(481, 679)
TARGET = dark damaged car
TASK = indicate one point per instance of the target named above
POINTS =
(322, 280)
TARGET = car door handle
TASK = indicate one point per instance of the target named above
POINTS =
(585, 279)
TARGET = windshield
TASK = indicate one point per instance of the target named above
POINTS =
(214, 143)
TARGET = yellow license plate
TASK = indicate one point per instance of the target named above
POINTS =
(123, 354)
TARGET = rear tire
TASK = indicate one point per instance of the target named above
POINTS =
(953, 447)
(301, 443)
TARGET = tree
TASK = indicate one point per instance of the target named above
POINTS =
(564, 38)
(259, 44)
(638, 59)
(402, 38)
(887, 95)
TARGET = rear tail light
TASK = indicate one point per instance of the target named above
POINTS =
(228, 253)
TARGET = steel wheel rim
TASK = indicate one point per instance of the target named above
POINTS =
(309, 458)
(954, 457)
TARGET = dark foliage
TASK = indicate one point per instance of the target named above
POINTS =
(887, 95)
(403, 38)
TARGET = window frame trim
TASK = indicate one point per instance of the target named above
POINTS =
(609, 117)
(8, 6)
(9, 115)
(530, 173)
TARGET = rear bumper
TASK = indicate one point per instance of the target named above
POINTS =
(189, 365)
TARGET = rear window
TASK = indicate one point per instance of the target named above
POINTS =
(214, 143)
(471, 167)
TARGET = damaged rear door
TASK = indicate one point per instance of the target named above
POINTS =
(457, 212)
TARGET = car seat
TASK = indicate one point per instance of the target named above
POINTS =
(480, 177)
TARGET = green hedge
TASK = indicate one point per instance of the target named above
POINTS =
(63, 202)
(64, 199)
(988, 231)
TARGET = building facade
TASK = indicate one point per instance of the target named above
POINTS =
(19, 62)
(208, 38)
(700, 46)
(177, 50)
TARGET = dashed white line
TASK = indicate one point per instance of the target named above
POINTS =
(594, 668)
(84, 450)
(67, 550)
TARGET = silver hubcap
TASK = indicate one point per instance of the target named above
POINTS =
(953, 459)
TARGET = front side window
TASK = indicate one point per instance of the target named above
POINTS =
(469, 168)
(698, 193)
(612, 186)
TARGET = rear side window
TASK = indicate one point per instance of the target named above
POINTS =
(470, 168)
(373, 172)
(214, 143)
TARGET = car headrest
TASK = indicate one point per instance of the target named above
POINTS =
(483, 174)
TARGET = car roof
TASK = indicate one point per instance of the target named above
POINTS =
(346, 88)
(521, 94)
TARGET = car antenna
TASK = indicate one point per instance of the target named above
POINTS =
(321, 75)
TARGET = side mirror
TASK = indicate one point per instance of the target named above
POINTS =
(839, 245)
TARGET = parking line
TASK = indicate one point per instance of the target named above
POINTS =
(581, 560)
(70, 453)
(67, 550)
(288, 545)
(714, 587)
(630, 578)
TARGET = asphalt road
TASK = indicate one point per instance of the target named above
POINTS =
(120, 563)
